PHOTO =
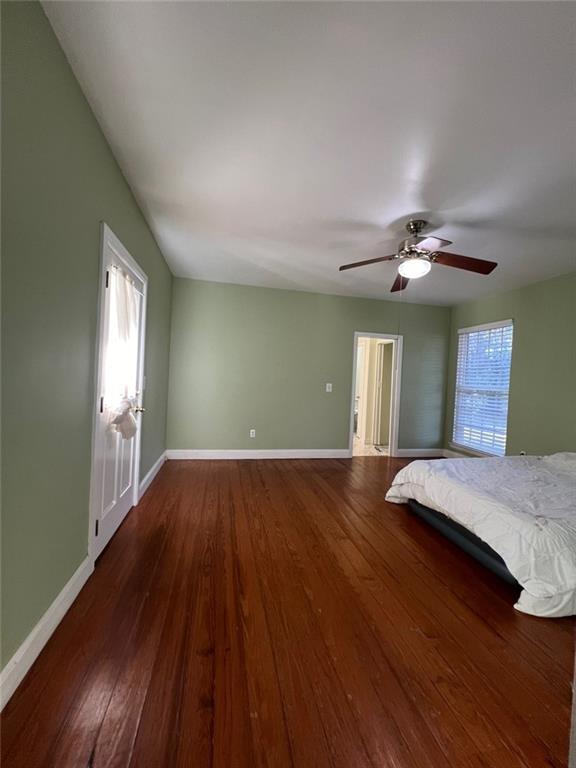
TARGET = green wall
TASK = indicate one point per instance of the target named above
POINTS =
(542, 405)
(245, 357)
(60, 181)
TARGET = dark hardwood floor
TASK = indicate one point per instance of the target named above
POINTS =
(281, 613)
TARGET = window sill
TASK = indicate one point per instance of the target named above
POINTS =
(474, 452)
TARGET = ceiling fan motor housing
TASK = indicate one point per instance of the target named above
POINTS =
(415, 226)
(408, 248)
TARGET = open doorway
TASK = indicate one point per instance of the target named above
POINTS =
(375, 395)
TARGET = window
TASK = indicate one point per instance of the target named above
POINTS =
(482, 384)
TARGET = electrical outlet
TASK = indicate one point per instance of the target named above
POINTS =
(252, 433)
(328, 386)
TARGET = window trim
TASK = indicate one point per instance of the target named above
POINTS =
(486, 326)
(474, 329)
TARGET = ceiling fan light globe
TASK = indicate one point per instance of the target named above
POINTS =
(414, 268)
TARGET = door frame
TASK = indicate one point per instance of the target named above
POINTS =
(108, 240)
(396, 386)
(361, 430)
(377, 415)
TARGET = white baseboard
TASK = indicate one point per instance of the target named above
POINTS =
(417, 452)
(283, 453)
(150, 475)
(16, 669)
(292, 453)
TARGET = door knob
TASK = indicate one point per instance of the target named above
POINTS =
(139, 409)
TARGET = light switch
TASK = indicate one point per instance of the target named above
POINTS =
(328, 386)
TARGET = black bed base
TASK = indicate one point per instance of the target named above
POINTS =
(465, 539)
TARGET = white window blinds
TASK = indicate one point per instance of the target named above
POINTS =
(482, 384)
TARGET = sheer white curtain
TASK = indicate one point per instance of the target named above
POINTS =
(121, 351)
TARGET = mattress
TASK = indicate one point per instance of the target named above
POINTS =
(523, 507)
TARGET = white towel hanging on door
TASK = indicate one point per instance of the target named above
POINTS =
(124, 421)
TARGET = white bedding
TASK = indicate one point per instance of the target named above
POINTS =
(524, 507)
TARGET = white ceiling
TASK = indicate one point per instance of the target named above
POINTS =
(269, 142)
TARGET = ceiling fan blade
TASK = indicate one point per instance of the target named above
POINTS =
(399, 284)
(481, 266)
(432, 243)
(366, 261)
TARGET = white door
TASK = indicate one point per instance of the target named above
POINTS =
(119, 391)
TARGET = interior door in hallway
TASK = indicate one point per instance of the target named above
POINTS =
(119, 391)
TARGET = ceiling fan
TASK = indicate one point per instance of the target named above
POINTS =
(416, 254)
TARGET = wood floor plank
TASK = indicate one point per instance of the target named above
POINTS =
(385, 715)
(160, 726)
(265, 705)
(281, 614)
(119, 728)
(302, 676)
